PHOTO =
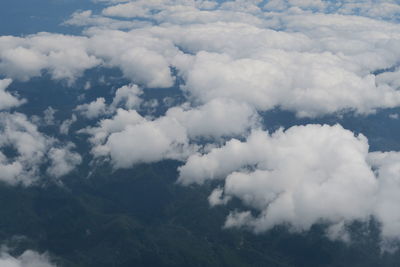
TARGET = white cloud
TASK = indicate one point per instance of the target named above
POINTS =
(387, 165)
(390, 78)
(143, 58)
(8, 100)
(132, 9)
(279, 5)
(387, 9)
(129, 139)
(94, 109)
(63, 56)
(300, 177)
(217, 197)
(381, 9)
(127, 96)
(86, 18)
(317, 4)
(48, 117)
(118, 123)
(24, 151)
(234, 59)
(62, 161)
(248, 6)
(140, 56)
(315, 64)
(22, 63)
(308, 84)
(27, 259)
(217, 118)
(66, 125)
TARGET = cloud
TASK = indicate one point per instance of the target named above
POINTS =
(390, 78)
(93, 109)
(310, 69)
(7, 100)
(236, 59)
(27, 259)
(67, 57)
(24, 151)
(62, 161)
(127, 96)
(232, 61)
(215, 119)
(387, 165)
(65, 125)
(300, 177)
(64, 57)
(381, 9)
(388, 9)
(312, 63)
(309, 84)
(48, 117)
(129, 139)
(87, 18)
(143, 58)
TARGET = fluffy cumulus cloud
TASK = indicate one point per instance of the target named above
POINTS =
(300, 177)
(309, 63)
(217, 118)
(28, 259)
(93, 109)
(140, 56)
(143, 58)
(306, 83)
(64, 57)
(128, 139)
(309, 57)
(234, 59)
(128, 97)
(24, 150)
(231, 60)
(62, 161)
(7, 100)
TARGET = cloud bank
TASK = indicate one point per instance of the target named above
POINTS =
(300, 177)
(231, 61)
(312, 58)
(239, 58)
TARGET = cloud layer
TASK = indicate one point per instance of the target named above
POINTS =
(302, 176)
(236, 59)
(314, 58)
(231, 61)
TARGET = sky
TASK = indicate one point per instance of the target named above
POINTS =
(231, 62)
